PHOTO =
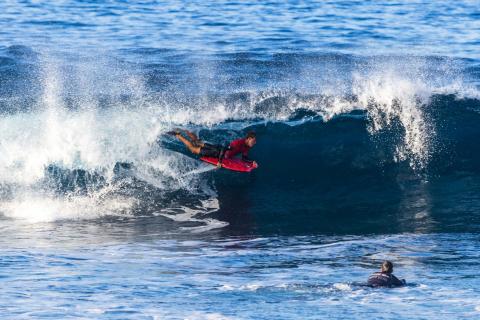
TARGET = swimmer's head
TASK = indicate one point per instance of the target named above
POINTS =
(387, 267)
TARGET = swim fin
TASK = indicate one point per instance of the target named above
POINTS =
(174, 132)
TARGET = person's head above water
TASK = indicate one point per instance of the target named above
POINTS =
(251, 139)
(387, 267)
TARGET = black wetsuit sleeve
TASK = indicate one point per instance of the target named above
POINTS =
(396, 282)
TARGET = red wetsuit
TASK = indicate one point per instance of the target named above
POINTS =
(236, 147)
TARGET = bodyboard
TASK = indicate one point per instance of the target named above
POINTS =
(232, 164)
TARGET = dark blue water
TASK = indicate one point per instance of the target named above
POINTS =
(367, 120)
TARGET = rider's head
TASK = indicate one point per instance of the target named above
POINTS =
(251, 139)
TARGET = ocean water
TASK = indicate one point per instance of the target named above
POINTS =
(367, 116)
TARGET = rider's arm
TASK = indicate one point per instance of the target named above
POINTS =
(245, 156)
(397, 282)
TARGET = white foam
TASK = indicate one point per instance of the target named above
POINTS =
(246, 287)
(89, 138)
(186, 214)
(226, 287)
(197, 315)
(35, 208)
(342, 286)
(389, 96)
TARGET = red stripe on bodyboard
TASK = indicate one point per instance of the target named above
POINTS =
(231, 164)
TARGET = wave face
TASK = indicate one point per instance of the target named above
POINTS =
(348, 143)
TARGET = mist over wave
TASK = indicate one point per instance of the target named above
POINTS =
(82, 136)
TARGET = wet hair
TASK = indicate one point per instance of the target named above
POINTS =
(251, 134)
(387, 266)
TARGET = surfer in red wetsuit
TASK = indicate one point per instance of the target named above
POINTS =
(236, 147)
